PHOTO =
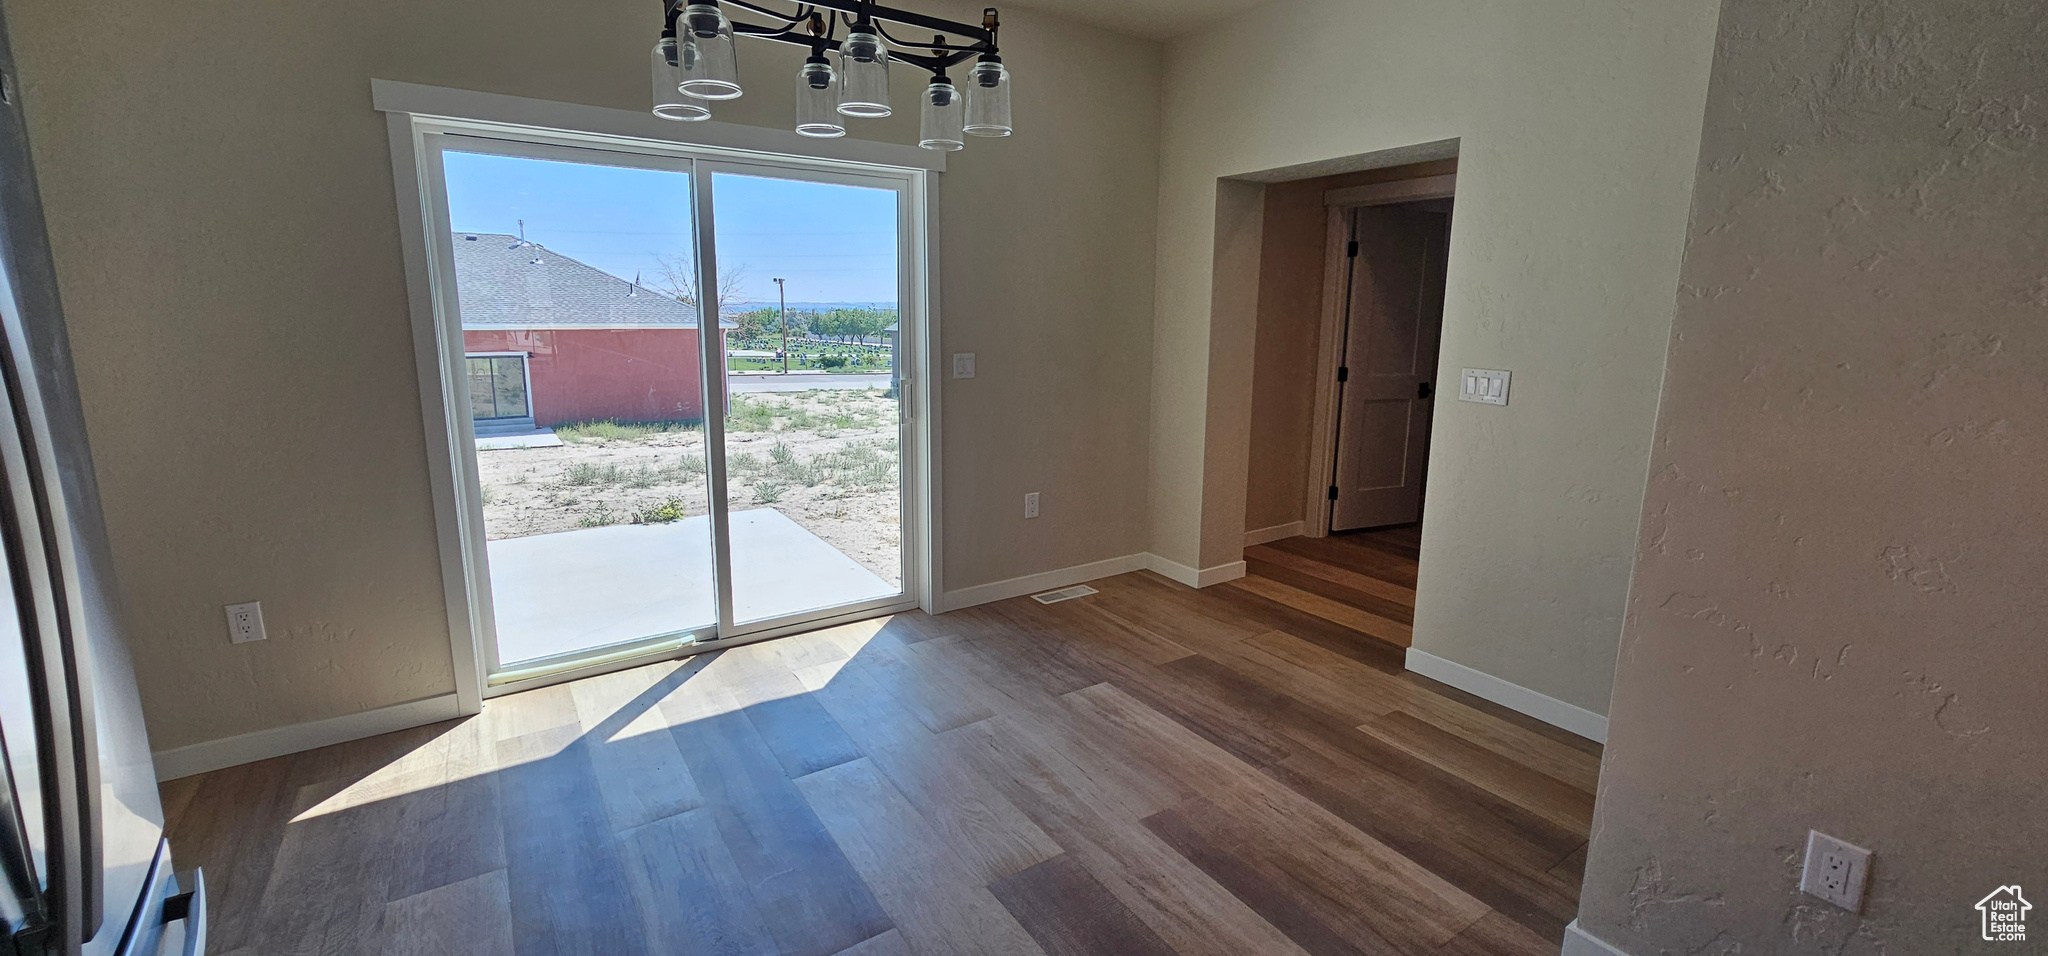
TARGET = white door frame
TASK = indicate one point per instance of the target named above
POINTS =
(418, 120)
(1322, 472)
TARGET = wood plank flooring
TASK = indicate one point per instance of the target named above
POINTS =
(1149, 771)
(1360, 580)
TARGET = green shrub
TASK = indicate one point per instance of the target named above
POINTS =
(610, 430)
(673, 509)
(769, 491)
(588, 474)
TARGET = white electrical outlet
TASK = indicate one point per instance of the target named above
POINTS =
(963, 364)
(1835, 871)
(245, 622)
(1031, 505)
(1487, 386)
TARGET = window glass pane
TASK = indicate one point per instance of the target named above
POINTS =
(511, 387)
(812, 429)
(576, 287)
(482, 399)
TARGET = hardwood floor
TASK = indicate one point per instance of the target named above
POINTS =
(1149, 771)
(1362, 580)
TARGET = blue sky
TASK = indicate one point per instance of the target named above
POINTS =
(833, 243)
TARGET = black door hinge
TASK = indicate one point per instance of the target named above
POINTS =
(1333, 492)
(1343, 373)
(1351, 251)
(1422, 390)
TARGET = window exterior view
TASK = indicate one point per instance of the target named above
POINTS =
(552, 340)
(585, 380)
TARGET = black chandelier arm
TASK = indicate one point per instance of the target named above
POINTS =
(787, 33)
(909, 18)
(954, 54)
(976, 48)
(934, 64)
(803, 13)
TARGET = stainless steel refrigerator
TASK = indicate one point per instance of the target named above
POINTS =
(84, 868)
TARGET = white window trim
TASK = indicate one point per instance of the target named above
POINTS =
(412, 112)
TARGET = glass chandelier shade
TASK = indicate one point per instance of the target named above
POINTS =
(943, 113)
(988, 99)
(863, 75)
(669, 101)
(710, 65)
(817, 100)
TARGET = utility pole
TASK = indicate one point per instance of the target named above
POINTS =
(782, 312)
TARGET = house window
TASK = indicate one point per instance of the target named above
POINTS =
(497, 387)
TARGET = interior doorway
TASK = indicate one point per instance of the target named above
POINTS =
(1392, 323)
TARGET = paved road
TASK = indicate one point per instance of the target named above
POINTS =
(800, 382)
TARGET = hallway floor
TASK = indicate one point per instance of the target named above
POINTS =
(1362, 580)
(1143, 772)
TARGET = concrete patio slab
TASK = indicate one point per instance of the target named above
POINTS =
(595, 587)
(537, 438)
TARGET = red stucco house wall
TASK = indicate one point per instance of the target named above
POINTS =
(594, 374)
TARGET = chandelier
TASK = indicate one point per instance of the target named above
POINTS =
(695, 65)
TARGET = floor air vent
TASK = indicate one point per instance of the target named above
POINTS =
(1063, 594)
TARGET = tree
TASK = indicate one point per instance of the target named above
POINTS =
(754, 323)
(679, 279)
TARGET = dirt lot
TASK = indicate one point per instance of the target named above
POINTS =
(825, 458)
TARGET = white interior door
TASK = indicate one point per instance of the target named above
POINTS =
(1387, 383)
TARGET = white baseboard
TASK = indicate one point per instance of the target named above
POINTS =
(1578, 942)
(1292, 529)
(1514, 697)
(278, 741)
(1193, 577)
(1043, 581)
(1083, 573)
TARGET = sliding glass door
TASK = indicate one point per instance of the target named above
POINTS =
(813, 425)
(682, 381)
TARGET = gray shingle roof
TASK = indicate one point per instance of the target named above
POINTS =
(501, 281)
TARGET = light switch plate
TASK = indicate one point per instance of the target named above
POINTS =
(963, 364)
(1487, 386)
(1835, 871)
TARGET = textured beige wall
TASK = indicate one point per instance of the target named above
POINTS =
(220, 199)
(1836, 616)
(1291, 258)
(1578, 129)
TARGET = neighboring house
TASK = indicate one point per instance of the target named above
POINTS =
(551, 340)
